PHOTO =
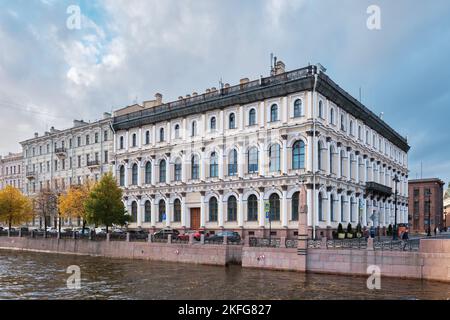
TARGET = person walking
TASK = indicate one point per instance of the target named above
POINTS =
(405, 238)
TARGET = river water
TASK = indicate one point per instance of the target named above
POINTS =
(26, 275)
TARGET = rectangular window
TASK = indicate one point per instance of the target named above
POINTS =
(79, 141)
(96, 137)
(79, 161)
(105, 135)
(106, 157)
(87, 139)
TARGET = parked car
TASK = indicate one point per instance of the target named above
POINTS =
(164, 233)
(138, 234)
(231, 236)
(185, 236)
(117, 231)
(24, 229)
(100, 230)
(79, 230)
(198, 234)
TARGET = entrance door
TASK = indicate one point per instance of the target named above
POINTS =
(195, 218)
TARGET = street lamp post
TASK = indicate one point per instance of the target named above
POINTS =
(396, 180)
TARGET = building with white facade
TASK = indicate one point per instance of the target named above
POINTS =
(61, 158)
(237, 157)
(11, 172)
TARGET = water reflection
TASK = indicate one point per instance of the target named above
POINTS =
(43, 276)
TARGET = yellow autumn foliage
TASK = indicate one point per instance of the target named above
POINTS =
(15, 208)
(72, 203)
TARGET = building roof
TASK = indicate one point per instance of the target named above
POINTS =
(426, 180)
(252, 91)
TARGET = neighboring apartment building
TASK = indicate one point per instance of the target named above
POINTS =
(426, 204)
(61, 158)
(237, 158)
(11, 171)
(447, 207)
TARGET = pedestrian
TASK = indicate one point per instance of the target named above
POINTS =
(405, 238)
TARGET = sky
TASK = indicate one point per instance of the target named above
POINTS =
(125, 51)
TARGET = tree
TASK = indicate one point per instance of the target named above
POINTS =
(45, 205)
(104, 205)
(73, 203)
(14, 206)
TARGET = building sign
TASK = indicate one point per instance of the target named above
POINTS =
(267, 209)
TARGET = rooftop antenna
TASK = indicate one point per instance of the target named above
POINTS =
(220, 83)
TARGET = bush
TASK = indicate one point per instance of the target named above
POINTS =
(359, 228)
(389, 230)
(349, 228)
(340, 229)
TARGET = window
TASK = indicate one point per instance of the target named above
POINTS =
(298, 108)
(232, 163)
(105, 156)
(194, 129)
(342, 163)
(178, 170)
(162, 171)
(320, 109)
(177, 210)
(134, 211)
(177, 131)
(298, 155)
(274, 158)
(214, 165)
(148, 173)
(231, 209)
(273, 113)
(331, 160)
(134, 140)
(121, 143)
(87, 139)
(274, 211)
(147, 211)
(352, 163)
(122, 176)
(134, 175)
(194, 167)
(252, 117)
(147, 137)
(78, 143)
(332, 217)
(213, 209)
(295, 206)
(352, 209)
(232, 121)
(161, 134)
(95, 138)
(332, 116)
(351, 127)
(319, 155)
(252, 208)
(320, 207)
(105, 136)
(252, 160)
(342, 208)
(416, 192)
(342, 122)
(212, 123)
(161, 211)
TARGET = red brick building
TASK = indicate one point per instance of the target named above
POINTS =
(425, 204)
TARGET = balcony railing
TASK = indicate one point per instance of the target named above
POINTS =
(93, 163)
(30, 175)
(379, 189)
(61, 152)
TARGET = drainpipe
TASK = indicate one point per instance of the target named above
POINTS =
(313, 158)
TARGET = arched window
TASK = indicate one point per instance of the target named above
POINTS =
(213, 209)
(177, 210)
(134, 140)
(134, 175)
(331, 160)
(320, 109)
(147, 211)
(351, 127)
(148, 173)
(252, 160)
(298, 155)
(177, 131)
(161, 134)
(122, 176)
(359, 132)
(147, 137)
(178, 169)
(274, 158)
(352, 209)
(320, 207)
(212, 123)
(231, 209)
(252, 117)
(342, 208)
(319, 155)
(161, 211)
(232, 121)
(232, 163)
(332, 217)
(295, 206)
(120, 142)
(274, 211)
(194, 167)
(332, 116)
(342, 122)
(134, 211)
(352, 164)
(252, 208)
(162, 171)
(298, 108)
(194, 129)
(214, 165)
(342, 163)
(273, 113)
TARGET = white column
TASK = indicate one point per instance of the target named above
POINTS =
(221, 122)
(202, 126)
(309, 159)
(284, 157)
(262, 159)
(337, 209)
(139, 139)
(364, 212)
(240, 210)
(168, 213)
(261, 212)
(220, 211)
(284, 211)
(140, 175)
(168, 134)
(328, 213)
(168, 170)
(153, 171)
(241, 118)
(262, 118)
(221, 158)
(202, 210)
(140, 211)
(241, 162)
(202, 165)
(339, 169)
(126, 175)
(183, 211)
(284, 110)
(154, 211)
(184, 167)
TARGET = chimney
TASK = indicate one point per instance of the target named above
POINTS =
(180, 98)
(158, 98)
(36, 134)
(188, 96)
(244, 81)
(208, 90)
(194, 94)
(213, 89)
(227, 85)
(52, 130)
(280, 67)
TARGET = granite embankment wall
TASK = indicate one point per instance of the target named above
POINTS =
(431, 262)
(174, 252)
